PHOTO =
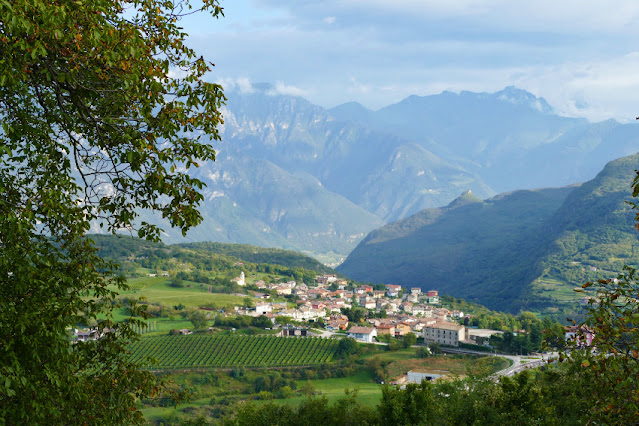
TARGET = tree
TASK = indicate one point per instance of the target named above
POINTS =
(198, 319)
(346, 346)
(409, 339)
(104, 109)
(611, 360)
(177, 282)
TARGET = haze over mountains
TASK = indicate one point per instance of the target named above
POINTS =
(294, 175)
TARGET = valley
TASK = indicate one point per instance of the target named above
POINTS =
(218, 314)
(294, 175)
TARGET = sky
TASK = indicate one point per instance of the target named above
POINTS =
(581, 56)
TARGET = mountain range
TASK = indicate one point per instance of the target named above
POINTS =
(526, 249)
(294, 175)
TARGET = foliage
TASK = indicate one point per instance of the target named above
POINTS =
(346, 346)
(243, 321)
(208, 264)
(614, 365)
(95, 128)
(260, 255)
(198, 319)
(611, 360)
(355, 315)
(312, 411)
(552, 396)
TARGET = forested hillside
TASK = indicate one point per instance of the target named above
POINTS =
(197, 260)
(519, 250)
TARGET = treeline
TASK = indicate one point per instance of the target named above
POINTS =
(205, 263)
(552, 396)
(248, 253)
(243, 321)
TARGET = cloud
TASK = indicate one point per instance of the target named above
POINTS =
(241, 84)
(578, 55)
(597, 90)
(283, 89)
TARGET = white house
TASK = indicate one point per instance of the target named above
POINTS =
(263, 308)
(417, 377)
(364, 334)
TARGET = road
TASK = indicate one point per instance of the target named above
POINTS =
(519, 362)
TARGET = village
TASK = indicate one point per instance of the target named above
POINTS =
(392, 312)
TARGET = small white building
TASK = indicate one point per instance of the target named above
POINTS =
(364, 334)
(418, 377)
(263, 308)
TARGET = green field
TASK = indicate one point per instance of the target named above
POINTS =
(157, 290)
(369, 393)
(215, 351)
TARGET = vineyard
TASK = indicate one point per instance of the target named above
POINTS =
(202, 351)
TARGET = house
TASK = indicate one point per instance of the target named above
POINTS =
(432, 293)
(318, 305)
(300, 289)
(575, 333)
(392, 293)
(292, 331)
(407, 307)
(368, 304)
(393, 290)
(385, 329)
(415, 376)
(390, 307)
(411, 298)
(433, 300)
(311, 314)
(444, 333)
(337, 322)
(263, 308)
(378, 294)
(261, 295)
(364, 334)
(481, 336)
(402, 329)
(283, 290)
(279, 306)
(325, 279)
(296, 314)
(339, 302)
(416, 291)
(315, 293)
(422, 310)
(86, 335)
